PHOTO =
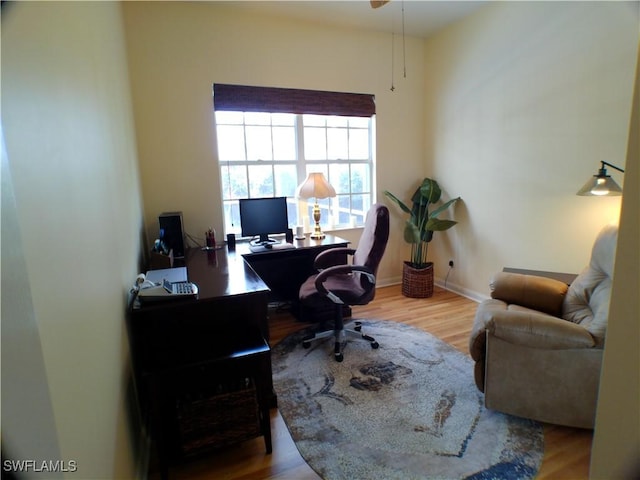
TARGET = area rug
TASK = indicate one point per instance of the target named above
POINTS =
(408, 410)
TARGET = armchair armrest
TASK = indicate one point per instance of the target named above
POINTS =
(536, 330)
(332, 257)
(538, 293)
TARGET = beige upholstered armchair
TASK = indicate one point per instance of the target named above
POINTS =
(538, 343)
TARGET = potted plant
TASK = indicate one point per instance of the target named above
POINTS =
(417, 273)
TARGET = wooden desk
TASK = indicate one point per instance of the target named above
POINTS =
(188, 347)
(231, 297)
(194, 348)
(284, 271)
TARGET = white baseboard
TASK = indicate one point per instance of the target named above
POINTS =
(387, 282)
(465, 292)
(452, 287)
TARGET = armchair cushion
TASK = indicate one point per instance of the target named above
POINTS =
(538, 293)
(538, 331)
(587, 301)
(521, 326)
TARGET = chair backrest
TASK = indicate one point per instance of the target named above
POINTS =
(373, 240)
(587, 300)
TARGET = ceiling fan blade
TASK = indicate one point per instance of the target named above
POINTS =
(378, 3)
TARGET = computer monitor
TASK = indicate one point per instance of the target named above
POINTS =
(263, 216)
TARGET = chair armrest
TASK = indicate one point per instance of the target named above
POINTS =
(325, 274)
(531, 291)
(536, 330)
(332, 257)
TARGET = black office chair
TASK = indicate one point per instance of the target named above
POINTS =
(340, 283)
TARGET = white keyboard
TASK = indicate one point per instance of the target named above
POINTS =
(272, 246)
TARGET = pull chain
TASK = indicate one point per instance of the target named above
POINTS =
(404, 56)
(392, 62)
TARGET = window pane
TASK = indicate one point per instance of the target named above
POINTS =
(337, 121)
(257, 118)
(230, 143)
(358, 144)
(359, 122)
(260, 181)
(344, 210)
(283, 119)
(337, 144)
(286, 180)
(339, 177)
(234, 182)
(315, 144)
(284, 143)
(314, 120)
(360, 178)
(292, 213)
(229, 118)
(360, 205)
(259, 143)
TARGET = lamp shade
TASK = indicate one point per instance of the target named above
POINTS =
(315, 186)
(601, 184)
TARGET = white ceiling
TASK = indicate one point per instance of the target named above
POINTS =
(421, 17)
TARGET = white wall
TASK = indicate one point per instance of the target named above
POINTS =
(524, 99)
(527, 95)
(25, 387)
(66, 113)
(178, 50)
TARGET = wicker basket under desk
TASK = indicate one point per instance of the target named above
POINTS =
(227, 416)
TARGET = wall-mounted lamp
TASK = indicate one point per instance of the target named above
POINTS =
(602, 184)
(316, 186)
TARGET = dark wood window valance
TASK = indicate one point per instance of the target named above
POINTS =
(291, 100)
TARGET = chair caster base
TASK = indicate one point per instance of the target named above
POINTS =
(340, 337)
(337, 349)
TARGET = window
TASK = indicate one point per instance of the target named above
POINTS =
(266, 150)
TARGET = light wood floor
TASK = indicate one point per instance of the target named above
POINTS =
(445, 315)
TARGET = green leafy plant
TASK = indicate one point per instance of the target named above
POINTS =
(422, 222)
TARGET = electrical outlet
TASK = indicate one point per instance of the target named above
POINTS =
(451, 263)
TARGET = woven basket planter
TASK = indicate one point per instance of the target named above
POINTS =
(417, 282)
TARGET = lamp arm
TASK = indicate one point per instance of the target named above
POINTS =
(610, 165)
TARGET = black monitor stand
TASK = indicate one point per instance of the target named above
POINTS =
(263, 240)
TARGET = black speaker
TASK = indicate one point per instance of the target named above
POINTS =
(231, 241)
(171, 232)
(288, 236)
